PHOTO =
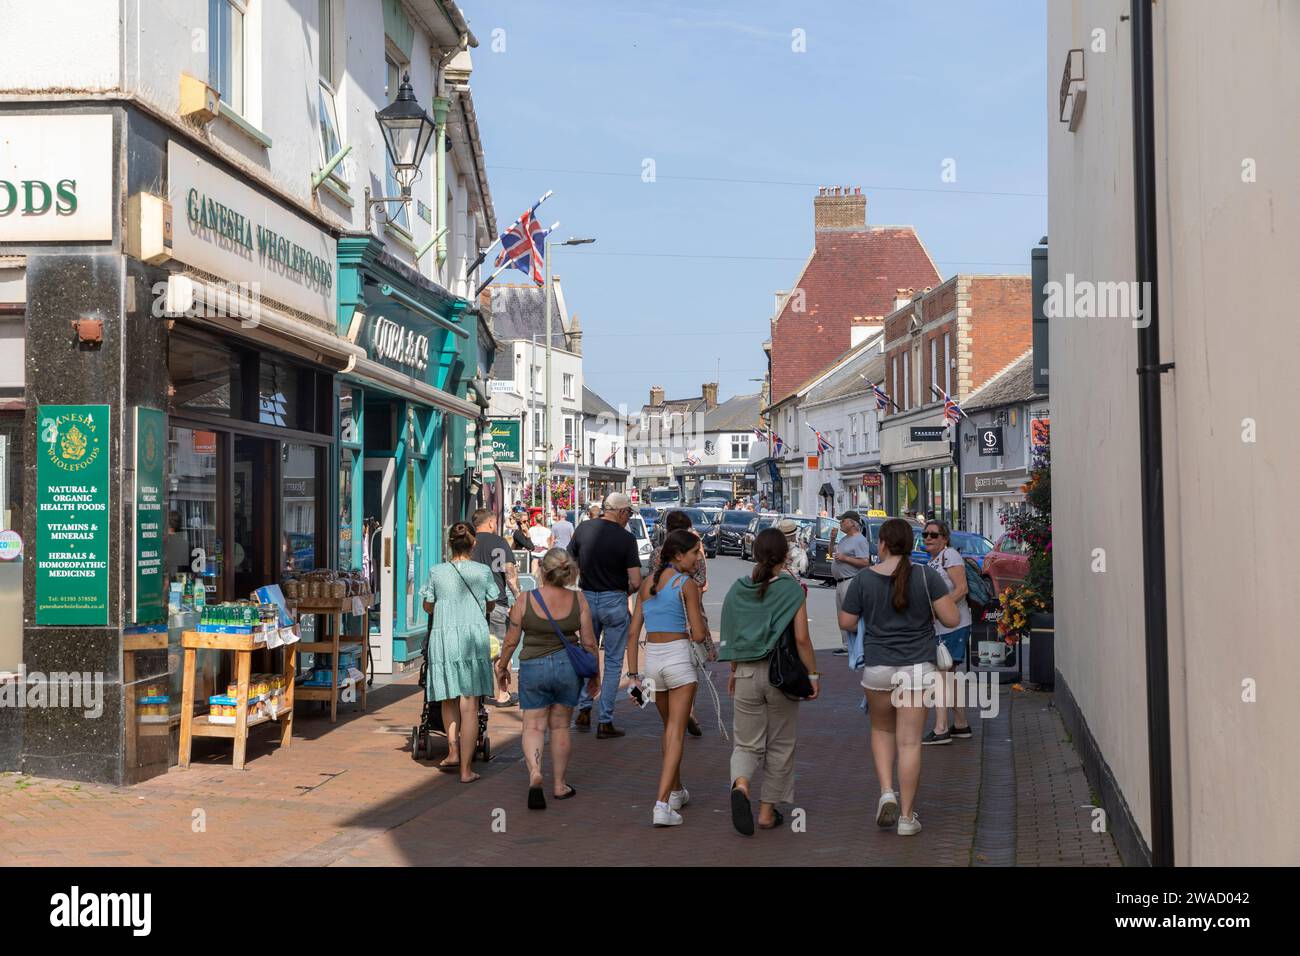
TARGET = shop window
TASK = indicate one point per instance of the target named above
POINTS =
(11, 519)
(226, 50)
(300, 479)
(192, 543)
(205, 378)
(285, 395)
(347, 534)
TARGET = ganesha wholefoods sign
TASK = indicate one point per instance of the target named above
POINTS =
(72, 515)
(235, 232)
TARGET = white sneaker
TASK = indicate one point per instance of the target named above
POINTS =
(666, 816)
(887, 809)
(679, 798)
(910, 827)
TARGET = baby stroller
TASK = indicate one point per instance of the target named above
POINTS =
(431, 718)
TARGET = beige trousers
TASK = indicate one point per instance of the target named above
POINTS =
(763, 725)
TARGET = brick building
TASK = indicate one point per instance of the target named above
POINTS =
(955, 336)
(853, 273)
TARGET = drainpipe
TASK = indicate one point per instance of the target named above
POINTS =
(441, 105)
(1151, 444)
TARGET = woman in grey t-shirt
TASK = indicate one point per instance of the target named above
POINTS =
(897, 601)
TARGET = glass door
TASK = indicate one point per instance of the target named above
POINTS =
(253, 551)
(377, 505)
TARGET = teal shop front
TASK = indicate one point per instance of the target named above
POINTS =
(403, 420)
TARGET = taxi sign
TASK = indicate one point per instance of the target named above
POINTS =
(876, 513)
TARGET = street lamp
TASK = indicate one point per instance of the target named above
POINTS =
(546, 286)
(407, 129)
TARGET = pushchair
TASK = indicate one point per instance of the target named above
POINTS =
(431, 718)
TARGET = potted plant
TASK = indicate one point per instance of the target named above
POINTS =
(1029, 607)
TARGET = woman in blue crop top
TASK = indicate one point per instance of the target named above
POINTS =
(669, 607)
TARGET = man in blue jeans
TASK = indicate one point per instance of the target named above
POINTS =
(610, 570)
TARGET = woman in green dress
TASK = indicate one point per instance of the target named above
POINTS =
(459, 595)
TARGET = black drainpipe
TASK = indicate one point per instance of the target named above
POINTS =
(1151, 444)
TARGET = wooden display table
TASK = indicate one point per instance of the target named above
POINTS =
(131, 644)
(242, 646)
(333, 609)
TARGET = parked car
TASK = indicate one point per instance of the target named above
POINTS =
(731, 529)
(759, 523)
(828, 529)
(651, 518)
(1007, 563)
(701, 524)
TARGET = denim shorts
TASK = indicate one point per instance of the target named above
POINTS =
(956, 643)
(548, 680)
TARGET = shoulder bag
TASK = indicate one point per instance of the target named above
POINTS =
(487, 615)
(785, 670)
(584, 662)
(943, 656)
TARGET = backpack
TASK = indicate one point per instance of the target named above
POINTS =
(979, 592)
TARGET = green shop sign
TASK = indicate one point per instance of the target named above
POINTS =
(150, 442)
(72, 515)
(504, 434)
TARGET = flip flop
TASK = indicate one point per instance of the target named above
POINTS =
(536, 799)
(572, 792)
(473, 779)
(775, 823)
(446, 767)
(742, 814)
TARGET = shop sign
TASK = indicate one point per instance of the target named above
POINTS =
(993, 482)
(928, 433)
(990, 441)
(237, 233)
(205, 443)
(391, 343)
(1040, 431)
(872, 479)
(72, 515)
(150, 445)
(496, 385)
(56, 178)
(504, 434)
(11, 545)
(811, 462)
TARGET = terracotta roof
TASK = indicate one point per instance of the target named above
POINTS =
(850, 274)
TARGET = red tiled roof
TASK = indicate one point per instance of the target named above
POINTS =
(850, 274)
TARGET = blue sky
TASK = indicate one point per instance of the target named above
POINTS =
(742, 130)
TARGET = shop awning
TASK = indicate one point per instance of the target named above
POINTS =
(367, 372)
(203, 303)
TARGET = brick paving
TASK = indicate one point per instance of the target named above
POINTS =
(350, 794)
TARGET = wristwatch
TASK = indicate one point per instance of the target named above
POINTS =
(632, 675)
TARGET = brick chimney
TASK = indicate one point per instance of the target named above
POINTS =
(902, 297)
(710, 392)
(656, 395)
(862, 327)
(839, 209)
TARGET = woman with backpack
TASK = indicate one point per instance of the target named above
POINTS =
(951, 566)
(899, 603)
(756, 615)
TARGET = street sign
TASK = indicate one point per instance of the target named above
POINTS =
(928, 433)
(990, 441)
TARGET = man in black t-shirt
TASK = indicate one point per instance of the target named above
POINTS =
(610, 570)
(494, 551)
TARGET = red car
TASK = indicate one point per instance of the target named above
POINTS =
(1007, 563)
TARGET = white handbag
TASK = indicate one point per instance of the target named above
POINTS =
(943, 656)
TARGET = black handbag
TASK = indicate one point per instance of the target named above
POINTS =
(785, 670)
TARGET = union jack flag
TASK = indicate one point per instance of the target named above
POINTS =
(778, 444)
(691, 459)
(882, 399)
(523, 246)
(952, 412)
(612, 458)
(760, 434)
(823, 445)
(563, 455)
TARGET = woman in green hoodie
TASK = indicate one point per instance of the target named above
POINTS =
(755, 614)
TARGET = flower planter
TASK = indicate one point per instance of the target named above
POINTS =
(1042, 649)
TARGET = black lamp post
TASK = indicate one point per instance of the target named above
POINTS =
(407, 130)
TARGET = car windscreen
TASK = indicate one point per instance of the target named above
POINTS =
(737, 517)
(665, 494)
(637, 527)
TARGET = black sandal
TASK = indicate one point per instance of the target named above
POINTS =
(569, 794)
(536, 799)
(742, 814)
(779, 819)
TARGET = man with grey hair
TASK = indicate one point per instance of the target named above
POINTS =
(852, 554)
(610, 570)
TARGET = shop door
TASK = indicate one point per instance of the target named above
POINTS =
(377, 498)
(256, 555)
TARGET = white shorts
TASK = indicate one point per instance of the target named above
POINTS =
(668, 665)
(881, 676)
